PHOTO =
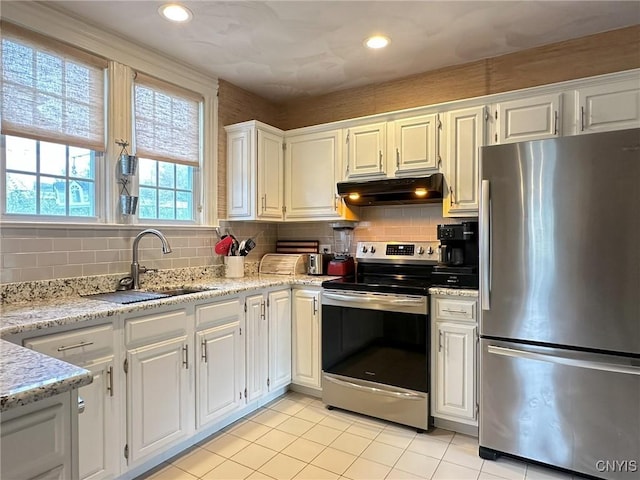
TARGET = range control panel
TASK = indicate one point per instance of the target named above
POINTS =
(395, 251)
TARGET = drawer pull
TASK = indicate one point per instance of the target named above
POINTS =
(453, 311)
(110, 381)
(77, 345)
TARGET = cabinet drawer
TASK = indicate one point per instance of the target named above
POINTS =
(155, 328)
(456, 309)
(219, 312)
(86, 343)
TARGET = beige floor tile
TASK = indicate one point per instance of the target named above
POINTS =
(259, 476)
(228, 470)
(317, 403)
(311, 472)
(254, 456)
(295, 426)
(339, 423)
(270, 418)
(441, 434)
(250, 431)
(334, 460)
(276, 440)
(382, 453)
(465, 440)
(321, 434)
(235, 424)
(198, 462)
(350, 443)
(311, 414)
(282, 467)
(363, 430)
(170, 472)
(505, 468)
(451, 471)
(417, 464)
(396, 474)
(226, 445)
(428, 446)
(363, 469)
(488, 476)
(536, 472)
(287, 406)
(396, 438)
(304, 449)
(301, 398)
(465, 456)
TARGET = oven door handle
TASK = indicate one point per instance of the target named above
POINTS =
(376, 299)
(377, 391)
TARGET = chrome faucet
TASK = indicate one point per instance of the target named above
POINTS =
(136, 269)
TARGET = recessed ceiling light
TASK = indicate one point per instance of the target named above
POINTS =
(377, 41)
(175, 12)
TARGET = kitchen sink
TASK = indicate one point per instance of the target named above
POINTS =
(134, 296)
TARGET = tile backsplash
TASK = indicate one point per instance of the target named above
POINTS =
(39, 253)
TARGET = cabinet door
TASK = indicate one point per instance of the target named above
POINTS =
(157, 396)
(311, 165)
(465, 134)
(97, 429)
(415, 144)
(257, 347)
(455, 370)
(270, 175)
(306, 338)
(365, 150)
(240, 182)
(614, 106)
(220, 371)
(528, 119)
(279, 313)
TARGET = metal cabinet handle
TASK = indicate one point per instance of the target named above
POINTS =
(336, 199)
(380, 161)
(346, 173)
(264, 201)
(185, 360)
(582, 119)
(453, 196)
(315, 305)
(203, 347)
(63, 348)
(110, 381)
(440, 341)
(555, 123)
(398, 158)
(453, 311)
(263, 313)
(81, 405)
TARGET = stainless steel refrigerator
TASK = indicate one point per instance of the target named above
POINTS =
(560, 298)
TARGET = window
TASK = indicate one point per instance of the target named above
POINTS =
(52, 125)
(167, 139)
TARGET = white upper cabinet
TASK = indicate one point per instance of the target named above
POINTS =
(414, 145)
(312, 165)
(255, 171)
(366, 146)
(612, 106)
(532, 118)
(464, 134)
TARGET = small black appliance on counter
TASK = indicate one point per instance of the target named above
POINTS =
(458, 261)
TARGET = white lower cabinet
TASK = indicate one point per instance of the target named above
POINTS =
(306, 315)
(45, 427)
(454, 347)
(159, 402)
(268, 317)
(92, 348)
(219, 360)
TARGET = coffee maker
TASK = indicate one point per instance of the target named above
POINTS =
(458, 260)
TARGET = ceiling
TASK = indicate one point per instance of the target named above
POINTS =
(288, 49)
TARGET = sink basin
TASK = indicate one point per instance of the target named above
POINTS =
(172, 292)
(133, 296)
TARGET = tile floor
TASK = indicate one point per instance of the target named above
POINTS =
(296, 437)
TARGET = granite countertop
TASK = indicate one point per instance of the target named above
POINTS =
(27, 376)
(453, 292)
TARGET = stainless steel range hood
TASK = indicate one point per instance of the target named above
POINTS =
(393, 191)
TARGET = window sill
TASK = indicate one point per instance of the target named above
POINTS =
(10, 224)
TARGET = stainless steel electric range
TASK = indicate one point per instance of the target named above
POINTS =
(375, 333)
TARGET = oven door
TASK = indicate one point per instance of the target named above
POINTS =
(375, 354)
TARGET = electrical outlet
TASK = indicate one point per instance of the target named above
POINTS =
(325, 248)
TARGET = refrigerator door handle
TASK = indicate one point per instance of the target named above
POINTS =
(563, 360)
(485, 253)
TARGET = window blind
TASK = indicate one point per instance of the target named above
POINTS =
(167, 122)
(51, 91)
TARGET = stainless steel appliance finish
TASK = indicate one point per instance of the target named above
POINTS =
(393, 191)
(318, 263)
(375, 333)
(560, 289)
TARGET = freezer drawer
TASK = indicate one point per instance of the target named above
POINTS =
(575, 410)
